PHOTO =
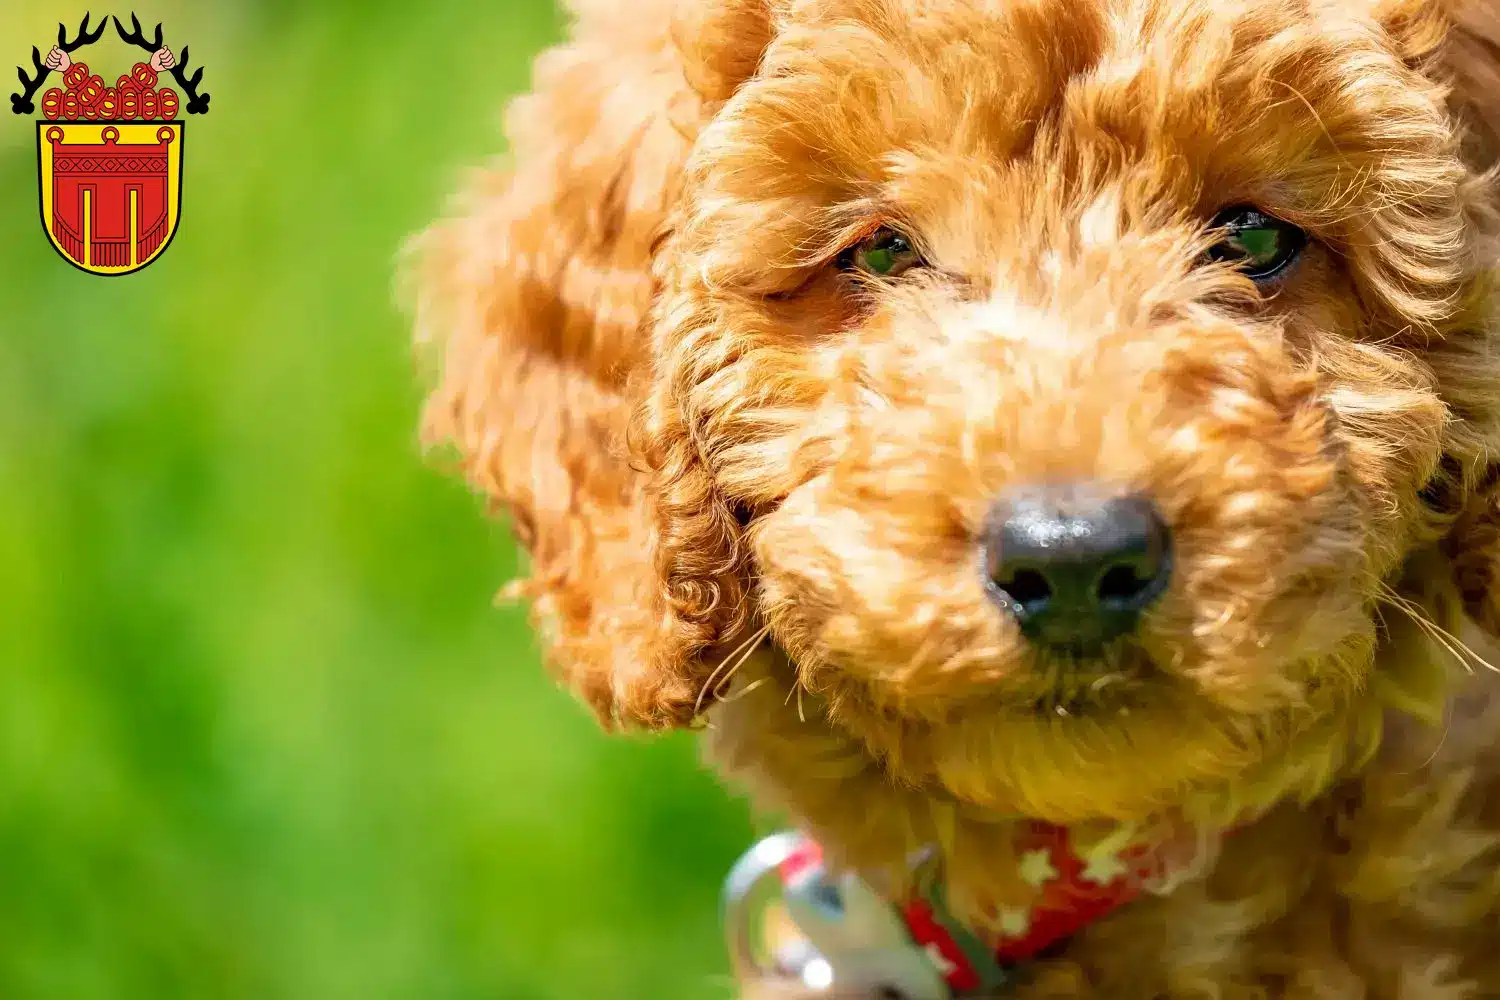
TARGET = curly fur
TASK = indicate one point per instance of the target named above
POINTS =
(752, 489)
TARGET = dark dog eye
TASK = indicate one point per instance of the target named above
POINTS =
(1261, 245)
(885, 253)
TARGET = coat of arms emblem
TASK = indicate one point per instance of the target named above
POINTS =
(110, 156)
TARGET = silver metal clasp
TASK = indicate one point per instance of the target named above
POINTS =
(819, 929)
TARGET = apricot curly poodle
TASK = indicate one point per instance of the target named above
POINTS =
(985, 417)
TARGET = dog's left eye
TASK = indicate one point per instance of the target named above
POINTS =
(885, 253)
(1262, 245)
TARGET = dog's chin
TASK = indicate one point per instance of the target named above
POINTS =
(1077, 770)
(1120, 756)
(1118, 737)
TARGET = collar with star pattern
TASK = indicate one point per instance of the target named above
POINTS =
(835, 928)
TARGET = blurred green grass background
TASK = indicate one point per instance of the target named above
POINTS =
(262, 734)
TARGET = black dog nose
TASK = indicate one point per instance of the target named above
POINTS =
(1075, 564)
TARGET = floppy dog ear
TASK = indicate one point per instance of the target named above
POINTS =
(1456, 45)
(536, 293)
(1456, 42)
(1472, 58)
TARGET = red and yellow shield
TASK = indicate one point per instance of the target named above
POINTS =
(111, 193)
(110, 156)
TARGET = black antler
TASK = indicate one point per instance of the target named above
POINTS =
(21, 103)
(197, 103)
(84, 38)
(138, 36)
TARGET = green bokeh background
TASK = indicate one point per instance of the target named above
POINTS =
(262, 733)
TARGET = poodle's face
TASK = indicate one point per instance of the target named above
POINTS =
(1078, 369)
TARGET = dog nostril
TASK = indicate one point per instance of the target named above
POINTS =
(1027, 588)
(1122, 585)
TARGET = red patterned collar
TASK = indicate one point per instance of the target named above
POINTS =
(1074, 889)
(835, 927)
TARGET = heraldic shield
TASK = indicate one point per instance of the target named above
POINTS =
(111, 193)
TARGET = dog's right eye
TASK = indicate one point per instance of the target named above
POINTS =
(1262, 245)
(885, 253)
